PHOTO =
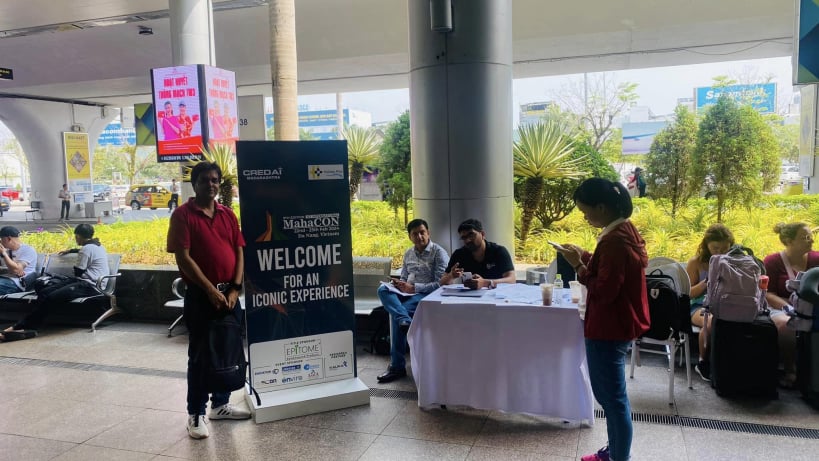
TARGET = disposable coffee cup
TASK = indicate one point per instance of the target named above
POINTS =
(574, 287)
(546, 292)
(763, 282)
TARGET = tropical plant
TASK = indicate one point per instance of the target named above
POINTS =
(669, 160)
(284, 68)
(395, 169)
(363, 146)
(541, 152)
(222, 155)
(736, 151)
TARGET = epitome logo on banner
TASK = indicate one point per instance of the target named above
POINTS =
(320, 172)
(302, 349)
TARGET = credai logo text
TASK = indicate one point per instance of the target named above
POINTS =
(265, 173)
(321, 172)
(294, 351)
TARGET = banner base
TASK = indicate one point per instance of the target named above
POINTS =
(307, 400)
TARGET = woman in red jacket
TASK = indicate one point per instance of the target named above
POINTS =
(617, 304)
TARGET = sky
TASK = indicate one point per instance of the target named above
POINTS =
(658, 88)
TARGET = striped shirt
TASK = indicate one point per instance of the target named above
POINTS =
(427, 267)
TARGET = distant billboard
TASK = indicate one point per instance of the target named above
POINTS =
(116, 135)
(638, 136)
(322, 124)
(145, 124)
(806, 44)
(761, 96)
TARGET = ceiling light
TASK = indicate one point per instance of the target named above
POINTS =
(145, 30)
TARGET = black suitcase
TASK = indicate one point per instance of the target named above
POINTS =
(807, 365)
(745, 358)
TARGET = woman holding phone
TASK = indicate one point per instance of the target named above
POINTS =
(617, 303)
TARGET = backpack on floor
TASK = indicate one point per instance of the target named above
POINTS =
(668, 308)
(733, 286)
(380, 340)
(804, 299)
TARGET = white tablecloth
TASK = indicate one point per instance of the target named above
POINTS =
(503, 351)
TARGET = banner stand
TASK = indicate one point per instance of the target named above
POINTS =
(306, 400)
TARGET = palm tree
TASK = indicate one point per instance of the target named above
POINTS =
(222, 155)
(543, 151)
(363, 147)
(283, 68)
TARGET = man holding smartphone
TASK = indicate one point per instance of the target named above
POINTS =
(423, 266)
(489, 263)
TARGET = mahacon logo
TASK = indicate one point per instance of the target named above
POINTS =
(302, 350)
(323, 172)
(318, 221)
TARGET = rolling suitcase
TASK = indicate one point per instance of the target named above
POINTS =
(745, 358)
(807, 366)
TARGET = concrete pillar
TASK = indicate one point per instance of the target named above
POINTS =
(39, 127)
(191, 43)
(192, 32)
(809, 127)
(461, 119)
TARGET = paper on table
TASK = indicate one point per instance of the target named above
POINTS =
(392, 288)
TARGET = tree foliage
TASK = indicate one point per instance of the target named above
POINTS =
(736, 152)
(395, 173)
(597, 99)
(669, 160)
(542, 151)
(363, 146)
(556, 202)
(221, 154)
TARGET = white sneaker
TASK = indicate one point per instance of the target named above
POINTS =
(228, 411)
(197, 427)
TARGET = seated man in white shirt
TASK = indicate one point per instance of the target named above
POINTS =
(423, 266)
(19, 261)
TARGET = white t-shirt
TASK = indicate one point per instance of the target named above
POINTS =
(94, 259)
(25, 254)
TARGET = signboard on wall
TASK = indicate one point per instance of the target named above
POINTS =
(806, 43)
(761, 96)
(251, 118)
(77, 166)
(145, 124)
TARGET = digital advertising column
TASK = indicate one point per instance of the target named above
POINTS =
(295, 213)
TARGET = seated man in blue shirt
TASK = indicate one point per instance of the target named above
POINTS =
(423, 266)
(489, 263)
(18, 261)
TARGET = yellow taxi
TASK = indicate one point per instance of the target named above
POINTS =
(151, 196)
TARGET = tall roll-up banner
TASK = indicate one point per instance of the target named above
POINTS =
(295, 212)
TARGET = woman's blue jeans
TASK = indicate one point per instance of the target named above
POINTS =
(607, 373)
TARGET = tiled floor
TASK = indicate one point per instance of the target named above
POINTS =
(121, 395)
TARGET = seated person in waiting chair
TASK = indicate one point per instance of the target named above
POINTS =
(717, 240)
(423, 266)
(780, 267)
(19, 262)
(91, 265)
(489, 263)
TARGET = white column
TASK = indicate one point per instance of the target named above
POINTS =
(192, 32)
(461, 117)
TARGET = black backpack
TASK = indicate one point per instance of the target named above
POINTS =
(226, 368)
(380, 340)
(669, 309)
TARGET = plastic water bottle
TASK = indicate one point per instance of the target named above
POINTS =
(557, 291)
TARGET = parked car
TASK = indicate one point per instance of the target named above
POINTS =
(102, 192)
(10, 192)
(5, 204)
(151, 196)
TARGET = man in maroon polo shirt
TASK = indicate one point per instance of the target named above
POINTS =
(204, 236)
